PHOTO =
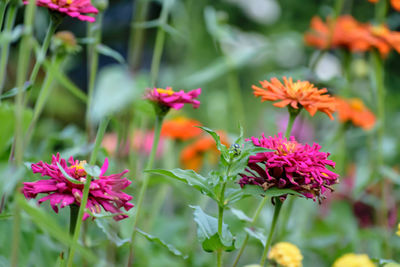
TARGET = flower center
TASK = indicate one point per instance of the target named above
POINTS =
(295, 88)
(287, 147)
(357, 104)
(167, 91)
(62, 3)
(79, 169)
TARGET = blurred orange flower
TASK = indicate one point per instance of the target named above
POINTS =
(348, 33)
(193, 155)
(394, 3)
(181, 128)
(296, 94)
(354, 110)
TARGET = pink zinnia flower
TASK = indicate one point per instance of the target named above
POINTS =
(72, 8)
(104, 192)
(291, 166)
(170, 99)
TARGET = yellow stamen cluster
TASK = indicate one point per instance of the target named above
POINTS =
(286, 148)
(353, 260)
(167, 91)
(79, 169)
(286, 255)
(357, 104)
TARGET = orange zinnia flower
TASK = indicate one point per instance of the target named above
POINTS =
(354, 110)
(296, 94)
(192, 156)
(181, 128)
(394, 3)
(348, 33)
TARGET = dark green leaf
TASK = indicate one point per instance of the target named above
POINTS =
(257, 234)
(158, 241)
(189, 177)
(207, 227)
(108, 51)
(47, 224)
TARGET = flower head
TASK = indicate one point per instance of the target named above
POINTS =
(193, 155)
(348, 33)
(290, 165)
(104, 192)
(181, 128)
(167, 98)
(353, 110)
(286, 255)
(73, 8)
(398, 230)
(353, 260)
(296, 95)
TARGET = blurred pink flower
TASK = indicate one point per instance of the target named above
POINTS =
(72, 8)
(302, 130)
(291, 166)
(167, 98)
(104, 192)
(143, 142)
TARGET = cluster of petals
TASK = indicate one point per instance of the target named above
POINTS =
(296, 95)
(286, 255)
(181, 128)
(348, 33)
(353, 110)
(353, 260)
(73, 8)
(193, 155)
(394, 3)
(105, 192)
(173, 99)
(290, 165)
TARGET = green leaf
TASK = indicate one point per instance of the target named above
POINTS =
(7, 119)
(216, 138)
(47, 224)
(240, 215)
(110, 231)
(5, 216)
(92, 170)
(108, 51)
(189, 177)
(66, 175)
(14, 91)
(158, 241)
(115, 89)
(235, 195)
(257, 234)
(207, 228)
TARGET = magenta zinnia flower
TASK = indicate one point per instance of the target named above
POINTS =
(104, 192)
(291, 166)
(171, 99)
(72, 8)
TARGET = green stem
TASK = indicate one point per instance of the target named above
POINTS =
(278, 205)
(292, 117)
(94, 31)
(23, 58)
(73, 215)
(3, 6)
(42, 98)
(158, 48)
(136, 36)
(253, 221)
(347, 73)
(99, 137)
(145, 183)
(381, 9)
(45, 46)
(5, 49)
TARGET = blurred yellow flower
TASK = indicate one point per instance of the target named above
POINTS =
(353, 260)
(398, 230)
(286, 255)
